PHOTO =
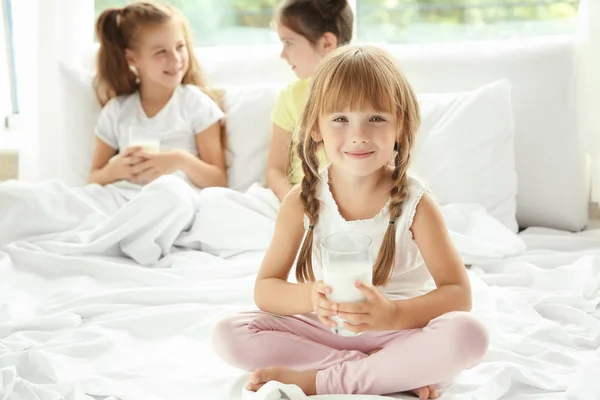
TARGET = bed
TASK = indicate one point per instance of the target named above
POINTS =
(99, 302)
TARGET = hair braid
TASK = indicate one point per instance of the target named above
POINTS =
(308, 154)
(398, 194)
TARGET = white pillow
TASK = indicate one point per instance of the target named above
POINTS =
(80, 113)
(248, 118)
(465, 149)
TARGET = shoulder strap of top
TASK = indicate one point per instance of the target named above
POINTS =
(416, 191)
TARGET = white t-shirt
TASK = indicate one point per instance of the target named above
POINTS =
(188, 113)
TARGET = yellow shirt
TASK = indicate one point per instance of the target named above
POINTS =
(289, 106)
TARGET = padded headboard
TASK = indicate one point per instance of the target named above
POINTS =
(550, 160)
(552, 185)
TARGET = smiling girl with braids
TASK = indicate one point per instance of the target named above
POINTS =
(416, 336)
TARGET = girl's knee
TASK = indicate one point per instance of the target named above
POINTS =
(170, 184)
(231, 341)
(164, 182)
(236, 340)
(476, 336)
(172, 190)
(470, 335)
(227, 337)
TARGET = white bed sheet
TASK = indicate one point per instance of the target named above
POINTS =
(78, 321)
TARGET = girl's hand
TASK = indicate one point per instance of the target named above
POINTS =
(154, 165)
(376, 313)
(321, 306)
(122, 167)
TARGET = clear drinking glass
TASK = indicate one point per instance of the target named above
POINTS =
(347, 258)
(138, 136)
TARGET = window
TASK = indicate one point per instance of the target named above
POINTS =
(393, 21)
(426, 21)
(216, 22)
(8, 35)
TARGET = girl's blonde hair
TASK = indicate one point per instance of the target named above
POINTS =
(351, 77)
(118, 29)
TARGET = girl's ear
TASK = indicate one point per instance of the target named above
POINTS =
(327, 43)
(316, 136)
(130, 58)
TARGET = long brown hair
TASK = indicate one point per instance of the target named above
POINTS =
(313, 18)
(118, 29)
(350, 77)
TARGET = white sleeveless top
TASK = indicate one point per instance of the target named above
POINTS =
(410, 276)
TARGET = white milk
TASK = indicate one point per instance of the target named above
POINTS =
(148, 145)
(342, 278)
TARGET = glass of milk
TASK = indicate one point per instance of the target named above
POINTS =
(347, 257)
(138, 136)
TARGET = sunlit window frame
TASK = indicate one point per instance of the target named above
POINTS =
(9, 42)
(356, 27)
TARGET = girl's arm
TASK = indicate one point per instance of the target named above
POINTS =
(209, 168)
(104, 173)
(453, 292)
(278, 162)
(272, 292)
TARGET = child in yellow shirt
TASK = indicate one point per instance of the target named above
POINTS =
(308, 30)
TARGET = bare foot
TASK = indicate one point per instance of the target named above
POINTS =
(373, 352)
(426, 392)
(306, 380)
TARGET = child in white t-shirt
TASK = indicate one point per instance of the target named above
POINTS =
(150, 84)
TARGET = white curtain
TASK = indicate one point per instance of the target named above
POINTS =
(588, 58)
(49, 31)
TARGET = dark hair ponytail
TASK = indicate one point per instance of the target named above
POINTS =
(330, 8)
(313, 18)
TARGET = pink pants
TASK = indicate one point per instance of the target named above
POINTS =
(409, 359)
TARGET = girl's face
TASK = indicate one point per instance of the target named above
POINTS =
(299, 53)
(359, 142)
(161, 55)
